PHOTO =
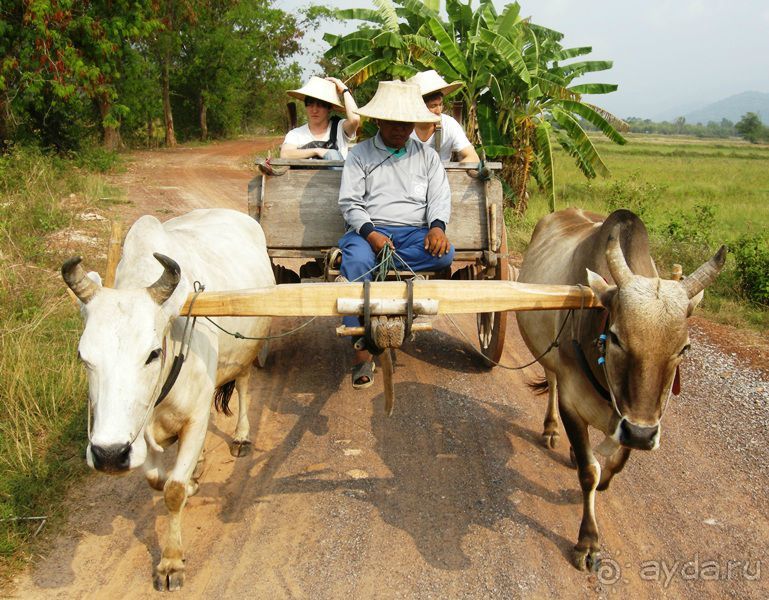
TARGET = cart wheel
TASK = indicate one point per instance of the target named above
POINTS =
(493, 326)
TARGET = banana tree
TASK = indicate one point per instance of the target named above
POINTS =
(519, 95)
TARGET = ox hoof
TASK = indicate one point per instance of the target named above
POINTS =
(584, 559)
(550, 439)
(240, 448)
(169, 575)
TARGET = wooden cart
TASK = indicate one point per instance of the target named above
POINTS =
(296, 202)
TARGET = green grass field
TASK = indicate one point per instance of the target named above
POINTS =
(693, 195)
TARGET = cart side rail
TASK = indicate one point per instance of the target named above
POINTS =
(299, 211)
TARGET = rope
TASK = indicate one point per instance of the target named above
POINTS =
(553, 344)
(386, 259)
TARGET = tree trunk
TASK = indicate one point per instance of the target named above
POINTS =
(111, 133)
(203, 118)
(516, 169)
(167, 113)
(150, 131)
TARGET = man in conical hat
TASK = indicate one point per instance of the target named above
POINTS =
(395, 193)
(445, 136)
(323, 136)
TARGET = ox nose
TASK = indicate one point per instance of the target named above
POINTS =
(638, 437)
(111, 459)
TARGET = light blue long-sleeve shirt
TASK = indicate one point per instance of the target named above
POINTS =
(384, 189)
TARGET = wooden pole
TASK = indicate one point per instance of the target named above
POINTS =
(320, 299)
(114, 250)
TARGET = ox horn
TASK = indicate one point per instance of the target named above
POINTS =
(704, 276)
(81, 285)
(161, 290)
(618, 268)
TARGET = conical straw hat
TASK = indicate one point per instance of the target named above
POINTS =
(321, 89)
(398, 101)
(430, 82)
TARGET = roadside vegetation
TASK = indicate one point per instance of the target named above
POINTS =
(693, 196)
(42, 386)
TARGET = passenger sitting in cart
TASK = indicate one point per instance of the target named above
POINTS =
(395, 193)
(323, 136)
(445, 136)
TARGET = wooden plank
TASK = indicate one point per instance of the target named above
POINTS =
(320, 299)
(299, 209)
(326, 164)
(114, 252)
(289, 253)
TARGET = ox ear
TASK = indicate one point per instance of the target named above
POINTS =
(694, 302)
(601, 288)
(95, 277)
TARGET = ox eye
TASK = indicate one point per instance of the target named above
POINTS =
(614, 339)
(153, 356)
(684, 350)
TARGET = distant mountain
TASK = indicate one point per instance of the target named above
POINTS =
(671, 114)
(732, 108)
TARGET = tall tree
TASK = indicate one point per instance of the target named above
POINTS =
(751, 128)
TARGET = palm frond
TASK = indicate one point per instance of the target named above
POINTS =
(594, 88)
(589, 114)
(508, 52)
(568, 53)
(449, 48)
(545, 162)
(582, 142)
(615, 121)
(389, 16)
(509, 18)
(568, 145)
(359, 14)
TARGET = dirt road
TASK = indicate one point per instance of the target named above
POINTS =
(451, 497)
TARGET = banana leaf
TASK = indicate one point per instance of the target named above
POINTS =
(590, 115)
(545, 162)
(449, 48)
(582, 142)
(359, 14)
(509, 18)
(594, 88)
(389, 16)
(507, 52)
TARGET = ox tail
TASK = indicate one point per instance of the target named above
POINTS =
(538, 386)
(222, 397)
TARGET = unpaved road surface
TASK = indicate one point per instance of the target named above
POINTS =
(451, 497)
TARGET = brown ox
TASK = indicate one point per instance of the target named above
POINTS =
(646, 338)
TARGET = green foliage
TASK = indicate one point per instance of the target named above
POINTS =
(634, 194)
(751, 128)
(42, 387)
(518, 93)
(77, 73)
(724, 129)
(693, 196)
(751, 253)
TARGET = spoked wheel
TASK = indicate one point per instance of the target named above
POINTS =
(493, 326)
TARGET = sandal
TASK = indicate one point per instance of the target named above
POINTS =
(362, 371)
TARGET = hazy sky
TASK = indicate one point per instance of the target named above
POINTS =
(667, 53)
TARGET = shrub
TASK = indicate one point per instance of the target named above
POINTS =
(751, 254)
(634, 194)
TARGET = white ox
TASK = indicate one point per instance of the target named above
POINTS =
(133, 331)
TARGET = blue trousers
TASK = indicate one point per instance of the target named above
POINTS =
(358, 258)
